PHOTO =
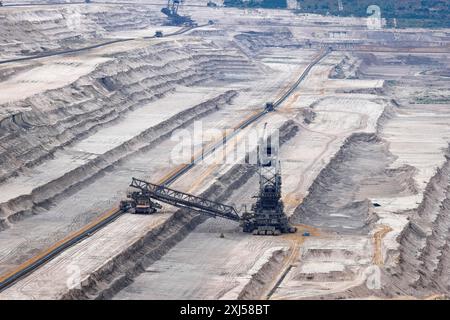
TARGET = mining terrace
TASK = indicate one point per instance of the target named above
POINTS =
(90, 98)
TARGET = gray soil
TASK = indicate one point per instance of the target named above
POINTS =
(339, 199)
(424, 259)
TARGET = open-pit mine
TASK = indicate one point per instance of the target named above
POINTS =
(178, 150)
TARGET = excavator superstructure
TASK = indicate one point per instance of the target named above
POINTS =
(171, 11)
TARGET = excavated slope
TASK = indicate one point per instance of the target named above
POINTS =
(35, 30)
(338, 198)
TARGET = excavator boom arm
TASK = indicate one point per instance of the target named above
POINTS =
(185, 200)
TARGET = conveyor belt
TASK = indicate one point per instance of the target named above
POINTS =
(185, 200)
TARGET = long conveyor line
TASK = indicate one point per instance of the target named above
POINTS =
(95, 46)
(35, 262)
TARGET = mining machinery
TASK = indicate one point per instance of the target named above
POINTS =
(171, 11)
(270, 107)
(267, 216)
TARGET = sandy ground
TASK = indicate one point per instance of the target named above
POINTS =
(339, 257)
(50, 76)
(32, 77)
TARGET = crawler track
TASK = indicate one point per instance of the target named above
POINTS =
(32, 264)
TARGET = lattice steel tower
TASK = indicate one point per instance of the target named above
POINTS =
(268, 215)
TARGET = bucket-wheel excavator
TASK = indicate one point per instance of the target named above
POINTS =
(171, 11)
(267, 216)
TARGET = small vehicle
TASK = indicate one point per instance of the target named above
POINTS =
(158, 34)
(270, 107)
(210, 22)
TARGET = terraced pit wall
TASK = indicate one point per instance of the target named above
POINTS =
(33, 130)
(34, 30)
